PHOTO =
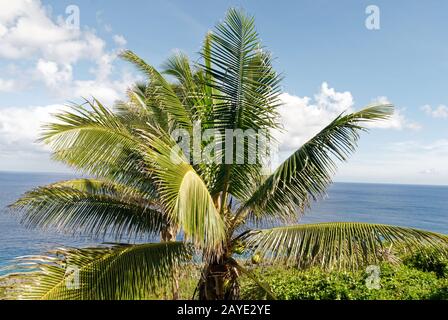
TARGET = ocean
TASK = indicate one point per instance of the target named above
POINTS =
(423, 207)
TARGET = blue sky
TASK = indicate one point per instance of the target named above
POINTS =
(323, 48)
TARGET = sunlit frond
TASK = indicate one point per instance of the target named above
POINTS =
(118, 272)
(93, 207)
(338, 244)
(245, 96)
(307, 172)
(92, 139)
(183, 193)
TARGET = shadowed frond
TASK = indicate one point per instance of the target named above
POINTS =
(92, 207)
(338, 244)
(190, 85)
(162, 91)
(118, 272)
(140, 108)
(307, 172)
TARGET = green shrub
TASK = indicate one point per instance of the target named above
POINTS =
(428, 260)
(396, 283)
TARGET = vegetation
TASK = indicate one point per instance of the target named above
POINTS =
(143, 186)
(402, 281)
(397, 283)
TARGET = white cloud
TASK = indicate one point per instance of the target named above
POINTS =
(49, 53)
(20, 127)
(440, 112)
(107, 92)
(120, 40)
(439, 146)
(27, 29)
(429, 171)
(7, 85)
(19, 130)
(54, 75)
(303, 117)
(397, 121)
(28, 32)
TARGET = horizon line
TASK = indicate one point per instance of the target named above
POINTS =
(335, 181)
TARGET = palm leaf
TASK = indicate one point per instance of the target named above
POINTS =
(141, 108)
(339, 244)
(111, 273)
(163, 91)
(92, 140)
(92, 207)
(307, 173)
(183, 192)
(245, 96)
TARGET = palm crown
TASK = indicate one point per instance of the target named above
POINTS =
(142, 188)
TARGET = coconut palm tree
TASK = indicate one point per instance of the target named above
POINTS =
(145, 185)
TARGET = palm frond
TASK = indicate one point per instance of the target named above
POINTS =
(140, 108)
(93, 140)
(337, 245)
(92, 207)
(245, 96)
(242, 74)
(308, 171)
(163, 91)
(119, 272)
(184, 193)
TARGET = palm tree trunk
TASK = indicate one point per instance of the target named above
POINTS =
(168, 234)
(219, 281)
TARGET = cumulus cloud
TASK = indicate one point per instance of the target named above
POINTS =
(61, 82)
(20, 127)
(54, 75)
(43, 50)
(397, 121)
(19, 130)
(440, 112)
(120, 40)
(27, 29)
(303, 117)
(28, 32)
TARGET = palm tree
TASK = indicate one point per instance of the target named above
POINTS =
(208, 210)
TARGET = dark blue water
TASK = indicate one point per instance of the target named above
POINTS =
(16, 240)
(423, 207)
(417, 206)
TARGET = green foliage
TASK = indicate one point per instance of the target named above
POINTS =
(119, 272)
(396, 283)
(429, 260)
(188, 276)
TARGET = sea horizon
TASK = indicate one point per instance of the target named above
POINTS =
(73, 174)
